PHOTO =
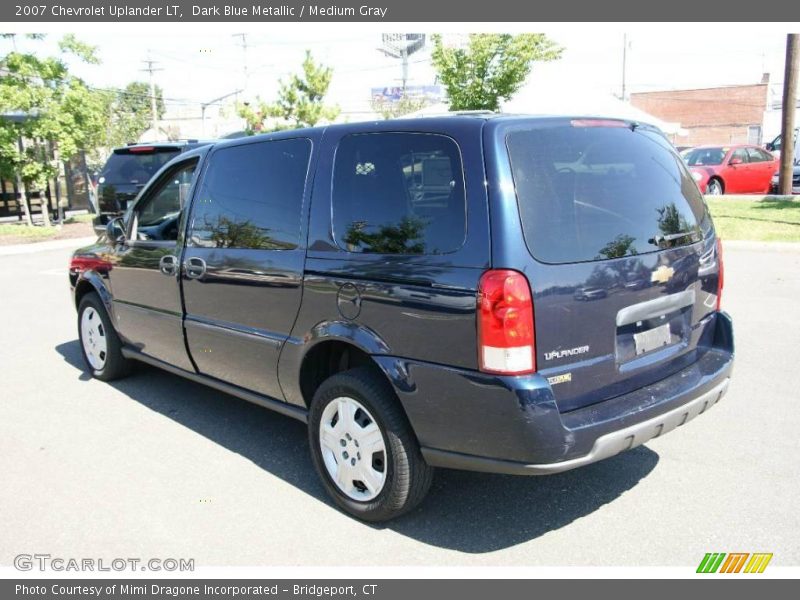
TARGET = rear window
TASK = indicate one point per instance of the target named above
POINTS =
(700, 157)
(126, 166)
(596, 193)
(398, 193)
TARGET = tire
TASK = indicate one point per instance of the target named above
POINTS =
(715, 187)
(100, 344)
(378, 482)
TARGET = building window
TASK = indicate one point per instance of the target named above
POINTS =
(754, 135)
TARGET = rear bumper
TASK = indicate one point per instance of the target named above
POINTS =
(479, 422)
(605, 446)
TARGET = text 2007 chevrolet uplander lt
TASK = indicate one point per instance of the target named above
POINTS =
(497, 293)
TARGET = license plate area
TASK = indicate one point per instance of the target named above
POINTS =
(652, 339)
(649, 336)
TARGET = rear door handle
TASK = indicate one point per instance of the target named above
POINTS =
(194, 267)
(168, 264)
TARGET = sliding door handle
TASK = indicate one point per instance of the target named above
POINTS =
(194, 267)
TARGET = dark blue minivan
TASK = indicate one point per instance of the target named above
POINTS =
(508, 294)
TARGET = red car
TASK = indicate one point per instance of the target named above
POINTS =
(743, 169)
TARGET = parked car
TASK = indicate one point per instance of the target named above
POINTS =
(775, 147)
(350, 277)
(127, 171)
(589, 293)
(795, 181)
(740, 169)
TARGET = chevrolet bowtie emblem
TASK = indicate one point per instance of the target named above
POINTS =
(662, 274)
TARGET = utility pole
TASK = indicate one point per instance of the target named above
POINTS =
(243, 44)
(788, 150)
(153, 104)
(624, 62)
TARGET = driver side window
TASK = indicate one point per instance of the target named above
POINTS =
(159, 216)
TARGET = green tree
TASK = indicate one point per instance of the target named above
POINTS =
(130, 112)
(404, 106)
(300, 101)
(58, 114)
(491, 68)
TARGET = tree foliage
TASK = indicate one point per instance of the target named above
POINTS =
(130, 112)
(300, 101)
(491, 67)
(405, 105)
(55, 113)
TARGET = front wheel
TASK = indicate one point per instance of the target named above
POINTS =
(363, 447)
(100, 345)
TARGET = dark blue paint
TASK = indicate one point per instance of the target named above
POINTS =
(256, 314)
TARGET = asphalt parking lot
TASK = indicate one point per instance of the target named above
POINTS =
(156, 466)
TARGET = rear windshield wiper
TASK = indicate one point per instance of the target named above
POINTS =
(660, 240)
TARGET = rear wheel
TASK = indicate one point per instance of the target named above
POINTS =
(363, 447)
(100, 345)
(715, 188)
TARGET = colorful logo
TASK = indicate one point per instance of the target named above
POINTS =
(734, 562)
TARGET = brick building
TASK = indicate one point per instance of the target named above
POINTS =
(721, 115)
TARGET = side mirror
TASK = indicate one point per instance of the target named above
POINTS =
(115, 230)
(770, 146)
(735, 161)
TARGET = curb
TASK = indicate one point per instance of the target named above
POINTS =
(45, 246)
(757, 197)
(766, 246)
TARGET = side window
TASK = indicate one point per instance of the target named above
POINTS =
(158, 218)
(251, 196)
(398, 193)
(741, 154)
(756, 155)
(765, 156)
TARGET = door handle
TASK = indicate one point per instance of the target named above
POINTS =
(168, 264)
(194, 267)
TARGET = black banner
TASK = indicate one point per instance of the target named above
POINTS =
(386, 589)
(468, 11)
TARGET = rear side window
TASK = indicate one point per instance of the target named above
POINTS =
(398, 193)
(135, 166)
(251, 196)
(758, 155)
(596, 193)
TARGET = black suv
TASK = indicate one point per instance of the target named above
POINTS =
(507, 294)
(128, 170)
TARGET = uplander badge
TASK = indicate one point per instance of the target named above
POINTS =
(562, 353)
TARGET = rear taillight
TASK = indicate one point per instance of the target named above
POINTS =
(141, 149)
(79, 264)
(506, 339)
(720, 275)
